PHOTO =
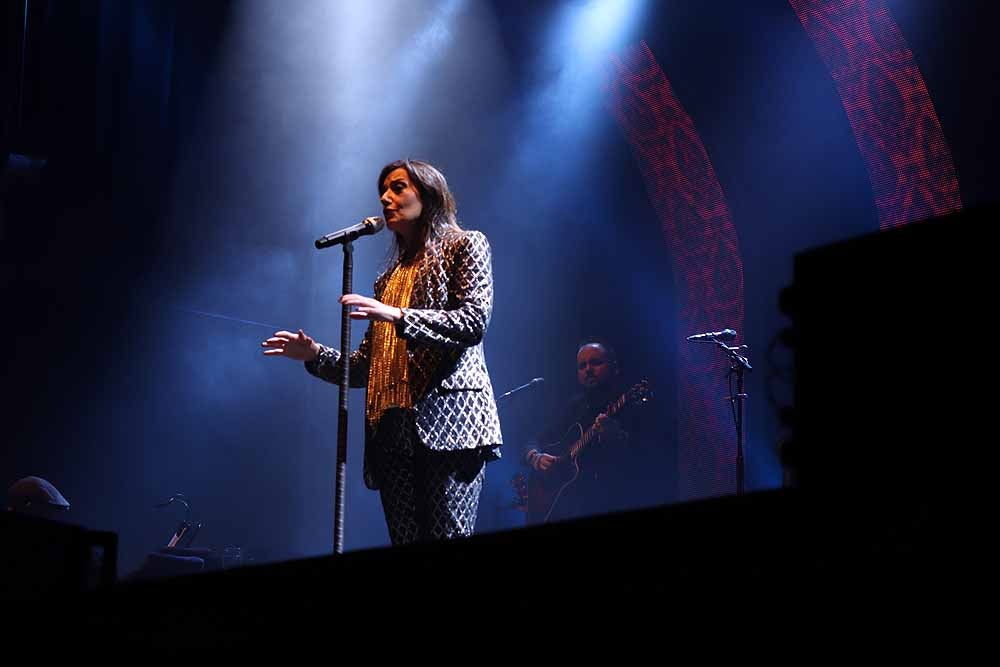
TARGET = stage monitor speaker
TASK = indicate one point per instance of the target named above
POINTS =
(894, 358)
(40, 558)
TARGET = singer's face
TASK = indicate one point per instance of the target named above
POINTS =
(401, 204)
(592, 366)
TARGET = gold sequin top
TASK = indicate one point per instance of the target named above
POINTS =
(444, 324)
(388, 376)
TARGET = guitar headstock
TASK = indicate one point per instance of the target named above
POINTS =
(640, 393)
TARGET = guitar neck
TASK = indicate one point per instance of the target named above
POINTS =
(591, 432)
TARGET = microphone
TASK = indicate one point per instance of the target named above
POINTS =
(724, 335)
(521, 388)
(367, 226)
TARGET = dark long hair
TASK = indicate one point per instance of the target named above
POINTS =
(439, 215)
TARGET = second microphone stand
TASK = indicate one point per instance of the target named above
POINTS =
(738, 365)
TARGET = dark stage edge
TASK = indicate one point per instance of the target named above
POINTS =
(784, 549)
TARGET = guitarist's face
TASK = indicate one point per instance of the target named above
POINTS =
(592, 366)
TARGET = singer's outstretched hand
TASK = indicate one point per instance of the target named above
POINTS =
(370, 309)
(297, 346)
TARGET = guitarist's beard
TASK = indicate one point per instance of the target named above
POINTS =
(598, 396)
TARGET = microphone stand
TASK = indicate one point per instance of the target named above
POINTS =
(345, 384)
(739, 365)
(526, 385)
(518, 481)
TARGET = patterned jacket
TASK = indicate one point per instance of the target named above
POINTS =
(450, 308)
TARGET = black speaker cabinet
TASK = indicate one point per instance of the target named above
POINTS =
(40, 558)
(895, 359)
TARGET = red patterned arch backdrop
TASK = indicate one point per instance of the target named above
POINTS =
(704, 250)
(888, 106)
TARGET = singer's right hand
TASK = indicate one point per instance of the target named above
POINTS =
(299, 347)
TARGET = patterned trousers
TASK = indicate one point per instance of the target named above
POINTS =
(426, 494)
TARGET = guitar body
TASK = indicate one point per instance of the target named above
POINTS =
(546, 489)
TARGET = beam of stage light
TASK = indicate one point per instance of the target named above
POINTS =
(330, 89)
(598, 25)
(334, 81)
(566, 99)
(383, 56)
(379, 58)
(582, 37)
(427, 46)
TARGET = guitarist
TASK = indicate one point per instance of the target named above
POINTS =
(608, 467)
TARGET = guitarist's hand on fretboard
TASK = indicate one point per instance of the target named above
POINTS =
(609, 429)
